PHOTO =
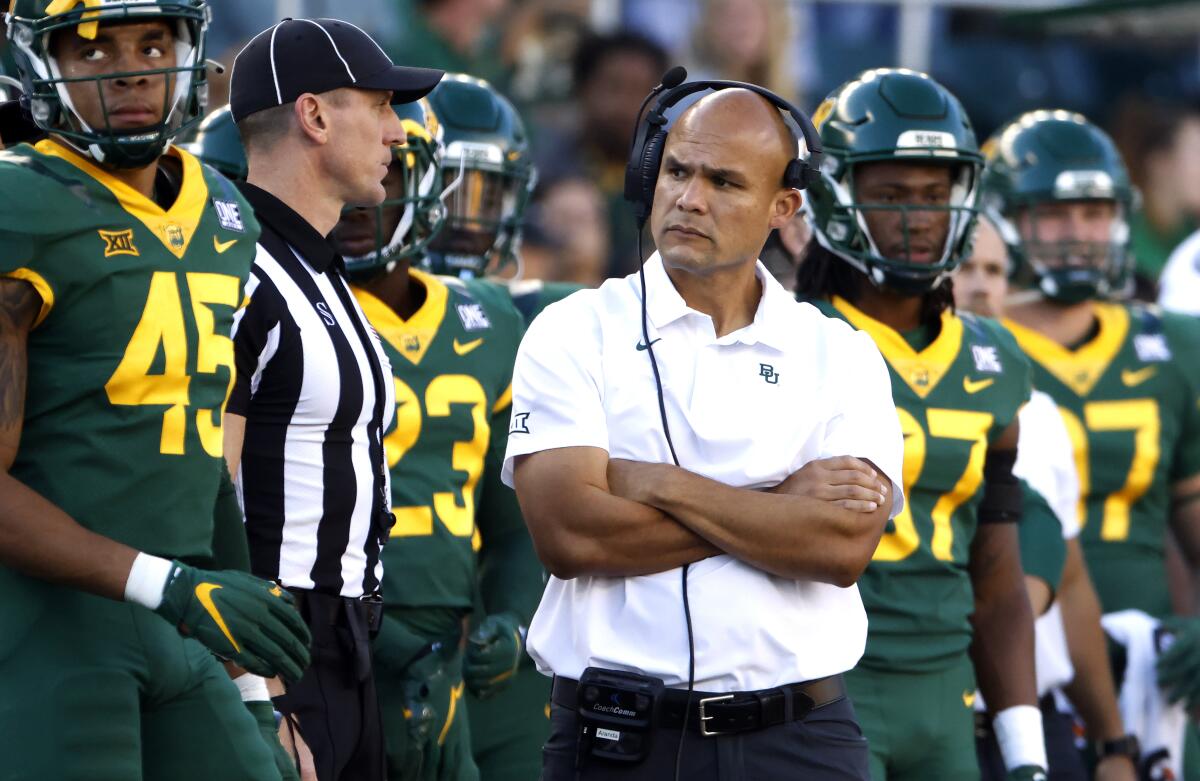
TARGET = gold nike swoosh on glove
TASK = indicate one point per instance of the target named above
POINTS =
(221, 246)
(463, 349)
(1133, 377)
(969, 699)
(204, 594)
(974, 386)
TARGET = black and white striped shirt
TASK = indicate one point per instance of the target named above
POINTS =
(314, 386)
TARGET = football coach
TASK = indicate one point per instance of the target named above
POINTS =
(313, 395)
(705, 486)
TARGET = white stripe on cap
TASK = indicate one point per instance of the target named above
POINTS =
(369, 38)
(275, 73)
(346, 65)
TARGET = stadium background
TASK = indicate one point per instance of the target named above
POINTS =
(1132, 66)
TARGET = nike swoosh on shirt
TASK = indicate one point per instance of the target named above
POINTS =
(463, 349)
(643, 347)
(204, 594)
(221, 246)
(974, 386)
(1136, 377)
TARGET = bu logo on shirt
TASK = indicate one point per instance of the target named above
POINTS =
(520, 423)
(767, 372)
(326, 315)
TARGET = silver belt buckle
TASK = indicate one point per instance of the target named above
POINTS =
(705, 718)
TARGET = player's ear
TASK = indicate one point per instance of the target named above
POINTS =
(787, 203)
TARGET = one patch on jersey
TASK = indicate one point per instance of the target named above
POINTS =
(229, 214)
(119, 243)
(1151, 348)
(986, 359)
(473, 317)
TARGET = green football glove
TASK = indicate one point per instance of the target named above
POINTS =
(493, 655)
(1026, 773)
(421, 719)
(1179, 666)
(264, 714)
(239, 617)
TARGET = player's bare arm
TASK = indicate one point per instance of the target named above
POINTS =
(1002, 647)
(1185, 519)
(789, 533)
(1091, 691)
(36, 537)
(579, 527)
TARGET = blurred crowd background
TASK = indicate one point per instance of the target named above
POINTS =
(578, 69)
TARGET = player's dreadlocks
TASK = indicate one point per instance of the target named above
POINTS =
(822, 274)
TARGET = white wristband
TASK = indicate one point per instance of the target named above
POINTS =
(1019, 732)
(147, 579)
(253, 688)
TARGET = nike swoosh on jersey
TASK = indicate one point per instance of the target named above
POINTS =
(221, 246)
(969, 699)
(204, 594)
(463, 349)
(1134, 377)
(974, 386)
(643, 347)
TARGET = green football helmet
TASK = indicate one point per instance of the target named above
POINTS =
(1044, 157)
(32, 23)
(489, 177)
(892, 115)
(421, 212)
(220, 145)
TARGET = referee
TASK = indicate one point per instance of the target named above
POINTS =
(791, 452)
(313, 393)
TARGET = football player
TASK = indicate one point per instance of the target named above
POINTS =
(123, 265)
(891, 218)
(1070, 641)
(1123, 375)
(459, 545)
(482, 234)
(486, 144)
(219, 144)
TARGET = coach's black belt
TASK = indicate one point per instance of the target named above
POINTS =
(723, 714)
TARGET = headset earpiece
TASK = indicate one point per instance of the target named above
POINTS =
(651, 160)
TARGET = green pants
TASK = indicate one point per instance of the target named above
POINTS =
(509, 730)
(445, 754)
(918, 725)
(105, 691)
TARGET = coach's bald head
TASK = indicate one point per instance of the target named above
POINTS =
(720, 187)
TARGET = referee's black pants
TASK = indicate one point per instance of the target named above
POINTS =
(826, 745)
(334, 703)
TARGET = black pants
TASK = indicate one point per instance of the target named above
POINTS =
(827, 744)
(1066, 763)
(335, 702)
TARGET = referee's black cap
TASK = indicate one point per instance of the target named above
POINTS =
(297, 56)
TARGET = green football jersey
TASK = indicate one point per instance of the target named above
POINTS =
(531, 296)
(1129, 397)
(130, 360)
(452, 364)
(954, 399)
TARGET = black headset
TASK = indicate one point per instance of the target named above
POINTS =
(650, 136)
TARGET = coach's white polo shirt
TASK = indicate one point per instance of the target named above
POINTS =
(747, 409)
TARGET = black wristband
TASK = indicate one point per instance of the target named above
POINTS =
(1126, 746)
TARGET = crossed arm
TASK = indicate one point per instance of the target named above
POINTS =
(592, 515)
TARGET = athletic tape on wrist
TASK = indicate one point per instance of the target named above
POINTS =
(1019, 732)
(147, 579)
(253, 688)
